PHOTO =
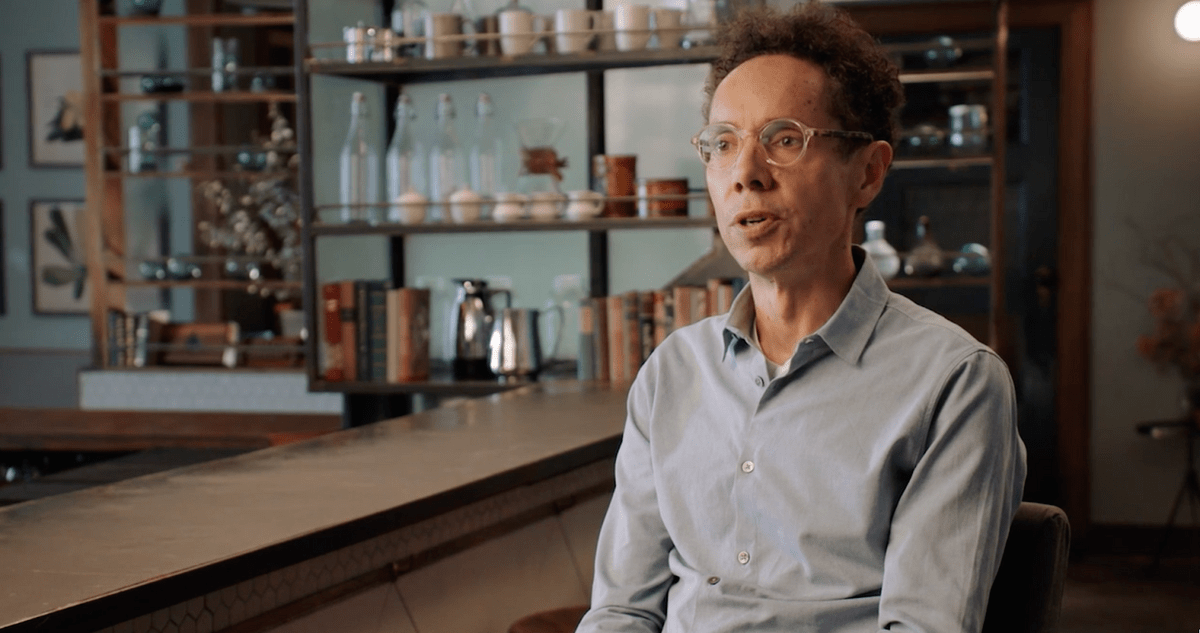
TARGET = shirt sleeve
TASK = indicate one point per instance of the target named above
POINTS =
(952, 519)
(629, 591)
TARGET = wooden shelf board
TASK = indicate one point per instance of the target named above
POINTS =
(232, 96)
(599, 224)
(414, 70)
(943, 162)
(209, 284)
(205, 19)
(924, 283)
(207, 175)
(947, 76)
(445, 387)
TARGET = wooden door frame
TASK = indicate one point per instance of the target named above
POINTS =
(1074, 21)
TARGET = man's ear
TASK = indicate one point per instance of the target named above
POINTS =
(874, 160)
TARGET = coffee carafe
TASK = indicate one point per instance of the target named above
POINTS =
(473, 319)
(516, 347)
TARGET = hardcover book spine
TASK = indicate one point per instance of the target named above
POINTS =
(586, 369)
(378, 343)
(616, 339)
(394, 324)
(631, 326)
(362, 331)
(331, 304)
(412, 349)
(600, 354)
(349, 319)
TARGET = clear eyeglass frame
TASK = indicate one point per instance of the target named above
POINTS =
(778, 139)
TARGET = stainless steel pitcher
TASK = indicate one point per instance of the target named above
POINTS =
(515, 348)
(473, 318)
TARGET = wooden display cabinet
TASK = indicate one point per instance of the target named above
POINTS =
(219, 125)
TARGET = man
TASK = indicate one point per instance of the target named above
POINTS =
(828, 456)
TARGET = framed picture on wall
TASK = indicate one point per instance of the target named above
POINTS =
(59, 269)
(55, 87)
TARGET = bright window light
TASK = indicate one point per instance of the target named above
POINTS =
(1187, 21)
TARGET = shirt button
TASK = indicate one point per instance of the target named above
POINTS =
(743, 557)
(747, 466)
(712, 580)
(758, 380)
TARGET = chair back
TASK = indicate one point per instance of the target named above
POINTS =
(1027, 593)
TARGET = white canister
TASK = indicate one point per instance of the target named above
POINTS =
(509, 207)
(545, 205)
(584, 204)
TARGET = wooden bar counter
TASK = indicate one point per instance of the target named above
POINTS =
(251, 542)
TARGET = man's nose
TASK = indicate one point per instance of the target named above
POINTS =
(751, 170)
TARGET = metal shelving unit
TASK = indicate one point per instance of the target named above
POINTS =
(313, 60)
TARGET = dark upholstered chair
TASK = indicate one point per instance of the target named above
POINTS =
(1026, 595)
(1027, 592)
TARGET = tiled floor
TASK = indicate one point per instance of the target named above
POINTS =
(1121, 595)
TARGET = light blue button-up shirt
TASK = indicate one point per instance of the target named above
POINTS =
(871, 487)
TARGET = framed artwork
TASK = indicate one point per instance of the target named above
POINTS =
(59, 263)
(55, 87)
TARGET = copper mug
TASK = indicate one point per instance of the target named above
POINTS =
(662, 197)
(615, 177)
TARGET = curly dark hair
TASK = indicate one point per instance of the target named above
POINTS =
(865, 95)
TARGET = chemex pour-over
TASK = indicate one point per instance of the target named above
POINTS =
(540, 165)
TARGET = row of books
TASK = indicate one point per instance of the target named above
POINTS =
(618, 333)
(372, 331)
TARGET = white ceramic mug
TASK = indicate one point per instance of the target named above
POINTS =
(574, 30)
(545, 205)
(633, 26)
(667, 23)
(438, 25)
(509, 207)
(516, 32)
(584, 204)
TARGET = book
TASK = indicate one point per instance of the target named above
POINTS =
(631, 326)
(663, 315)
(349, 319)
(331, 336)
(377, 324)
(408, 334)
(586, 368)
(600, 340)
(720, 295)
(616, 338)
(362, 331)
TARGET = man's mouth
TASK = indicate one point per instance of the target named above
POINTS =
(751, 218)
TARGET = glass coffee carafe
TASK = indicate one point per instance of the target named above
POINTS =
(541, 168)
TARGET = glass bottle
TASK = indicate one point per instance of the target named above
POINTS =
(405, 170)
(486, 151)
(359, 185)
(408, 20)
(926, 259)
(883, 254)
(445, 159)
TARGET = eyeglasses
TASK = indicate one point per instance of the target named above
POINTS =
(783, 140)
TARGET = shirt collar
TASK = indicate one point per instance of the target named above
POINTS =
(847, 331)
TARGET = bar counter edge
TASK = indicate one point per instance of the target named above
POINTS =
(350, 509)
